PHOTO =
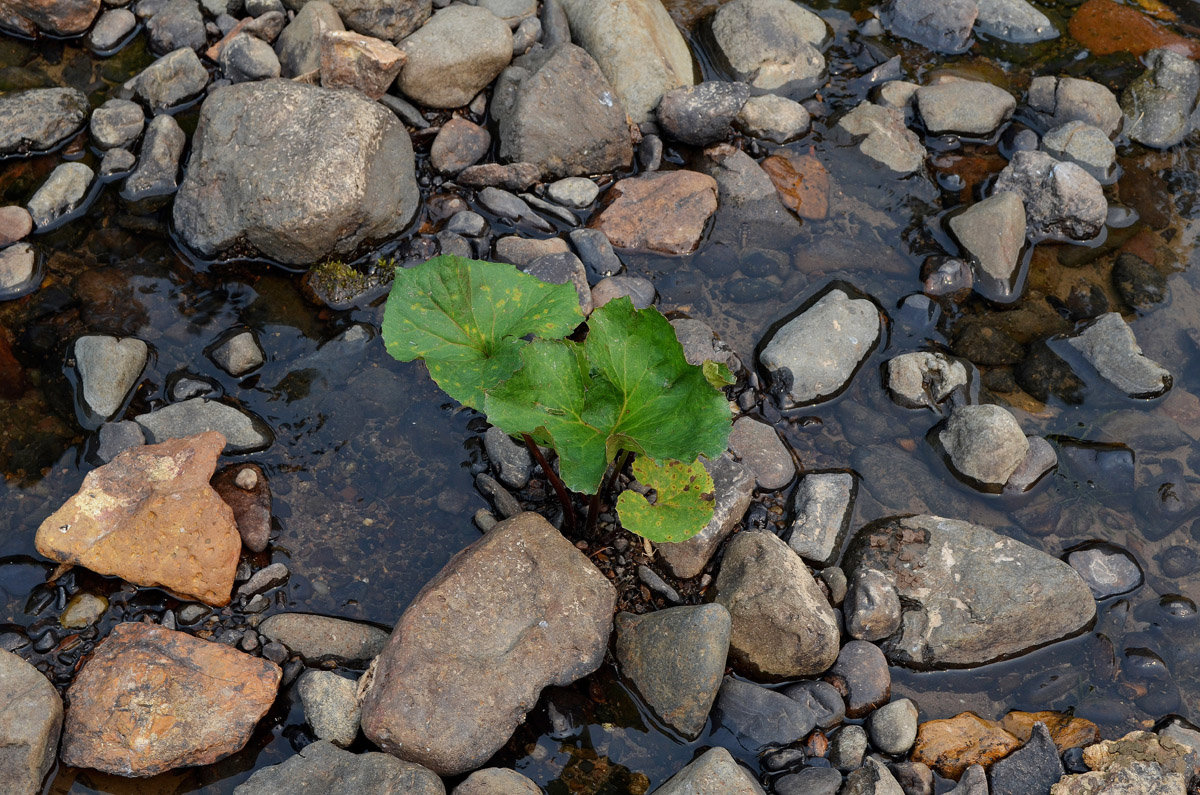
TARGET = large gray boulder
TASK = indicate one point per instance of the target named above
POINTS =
(390, 20)
(557, 110)
(295, 172)
(40, 119)
(638, 47)
(325, 768)
(970, 595)
(516, 611)
(31, 716)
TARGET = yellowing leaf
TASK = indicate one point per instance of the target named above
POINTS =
(683, 502)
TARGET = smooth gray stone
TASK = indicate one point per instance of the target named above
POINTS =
(577, 192)
(1087, 146)
(1108, 345)
(821, 508)
(884, 137)
(325, 768)
(773, 118)
(117, 124)
(761, 718)
(772, 45)
(992, 234)
(453, 56)
(18, 269)
(509, 457)
(563, 268)
(638, 290)
(497, 781)
(158, 163)
(1014, 20)
(871, 606)
(893, 727)
(984, 443)
(62, 193)
(171, 80)
(597, 253)
(759, 447)
(115, 438)
(822, 699)
(238, 354)
(31, 716)
(1108, 571)
(331, 705)
(246, 58)
(108, 369)
(714, 771)
(972, 107)
(321, 639)
(111, 29)
(244, 433)
(942, 25)
(178, 24)
(810, 781)
(1033, 768)
(848, 747)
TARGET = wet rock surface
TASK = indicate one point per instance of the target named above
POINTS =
(324, 766)
(40, 119)
(663, 212)
(31, 717)
(714, 771)
(1061, 199)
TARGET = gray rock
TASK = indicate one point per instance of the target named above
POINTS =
(158, 165)
(886, 138)
(1158, 105)
(323, 767)
(638, 47)
(1040, 459)
(268, 577)
(111, 29)
(178, 24)
(108, 369)
(457, 145)
(821, 508)
(915, 778)
(114, 438)
(992, 234)
(971, 596)
(1034, 767)
(31, 717)
(338, 161)
(772, 45)
(117, 123)
(330, 705)
(511, 11)
(516, 611)
(389, 20)
(848, 748)
(244, 432)
(700, 343)
(773, 118)
(576, 192)
(514, 208)
(454, 56)
(821, 699)
(510, 458)
(702, 114)
(171, 80)
(973, 782)
(680, 688)
(814, 356)
(497, 781)
(18, 270)
(1139, 762)
(810, 781)
(15, 224)
(465, 222)
(760, 718)
(658, 585)
(638, 290)
(245, 58)
(526, 35)
(984, 443)
(714, 771)
(521, 251)
(873, 778)
(1061, 199)
(1108, 345)
(759, 447)
(782, 625)
(872, 606)
(1067, 99)
(238, 354)
(734, 487)
(861, 671)
(62, 193)
(320, 639)
(972, 107)
(550, 208)
(1014, 20)
(750, 204)
(942, 25)
(1107, 570)
(299, 45)
(116, 162)
(1087, 146)
(897, 94)
(923, 380)
(893, 727)
(557, 110)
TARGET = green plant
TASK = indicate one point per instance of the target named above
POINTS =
(624, 390)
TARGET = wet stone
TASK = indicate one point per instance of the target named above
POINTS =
(923, 380)
(680, 688)
(872, 606)
(734, 487)
(942, 25)
(914, 778)
(702, 114)
(1086, 146)
(772, 45)
(116, 162)
(575, 192)
(521, 251)
(454, 56)
(458, 144)
(323, 767)
(664, 211)
(320, 639)
(564, 268)
(1061, 199)
(951, 745)
(759, 447)
(1107, 570)
(139, 673)
(158, 164)
(245, 58)
(497, 781)
(985, 444)
(172, 79)
(822, 699)
(330, 705)
(848, 748)
(700, 343)
(117, 123)
(637, 289)
(465, 222)
(714, 771)
(18, 267)
(238, 354)
(760, 718)
(178, 24)
(1158, 105)
(1040, 460)
(773, 118)
(83, 610)
(821, 508)
(506, 205)
(1108, 344)
(263, 580)
(299, 45)
(117, 437)
(40, 119)
(810, 781)
(510, 458)
(596, 252)
(992, 233)
(1014, 20)
(15, 224)
(62, 193)
(1034, 767)
(971, 107)
(31, 717)
(1067, 99)
(243, 432)
(893, 727)
(1139, 283)
(885, 138)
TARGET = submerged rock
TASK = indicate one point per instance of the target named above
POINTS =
(972, 596)
(923, 380)
(1158, 105)
(1061, 199)
(1109, 346)
(886, 138)
(31, 717)
(243, 432)
(662, 211)
(1080, 143)
(516, 611)
(151, 517)
(295, 172)
(244, 489)
(761, 718)
(151, 699)
(323, 767)
(40, 119)
(116, 123)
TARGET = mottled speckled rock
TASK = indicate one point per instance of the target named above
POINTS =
(324, 768)
(30, 720)
(663, 211)
(151, 699)
(151, 517)
(40, 118)
(715, 772)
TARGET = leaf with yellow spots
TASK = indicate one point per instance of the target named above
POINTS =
(683, 500)
(467, 320)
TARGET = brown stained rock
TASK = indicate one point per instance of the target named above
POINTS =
(664, 211)
(952, 745)
(518, 610)
(458, 145)
(152, 699)
(510, 176)
(150, 517)
(363, 63)
(1106, 27)
(57, 17)
(244, 488)
(802, 183)
(1065, 730)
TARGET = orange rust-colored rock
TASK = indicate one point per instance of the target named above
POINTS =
(802, 183)
(151, 517)
(152, 699)
(1066, 730)
(664, 211)
(1105, 27)
(952, 745)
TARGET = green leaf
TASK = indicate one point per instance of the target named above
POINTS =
(467, 318)
(682, 508)
(717, 374)
(626, 387)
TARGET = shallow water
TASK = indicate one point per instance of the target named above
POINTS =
(372, 466)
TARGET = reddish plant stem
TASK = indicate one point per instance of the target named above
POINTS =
(559, 487)
(605, 488)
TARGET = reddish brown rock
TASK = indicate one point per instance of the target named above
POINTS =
(244, 489)
(510, 176)
(59, 17)
(151, 517)
(15, 224)
(151, 699)
(1106, 27)
(952, 745)
(458, 144)
(364, 63)
(1065, 730)
(12, 376)
(802, 183)
(664, 211)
